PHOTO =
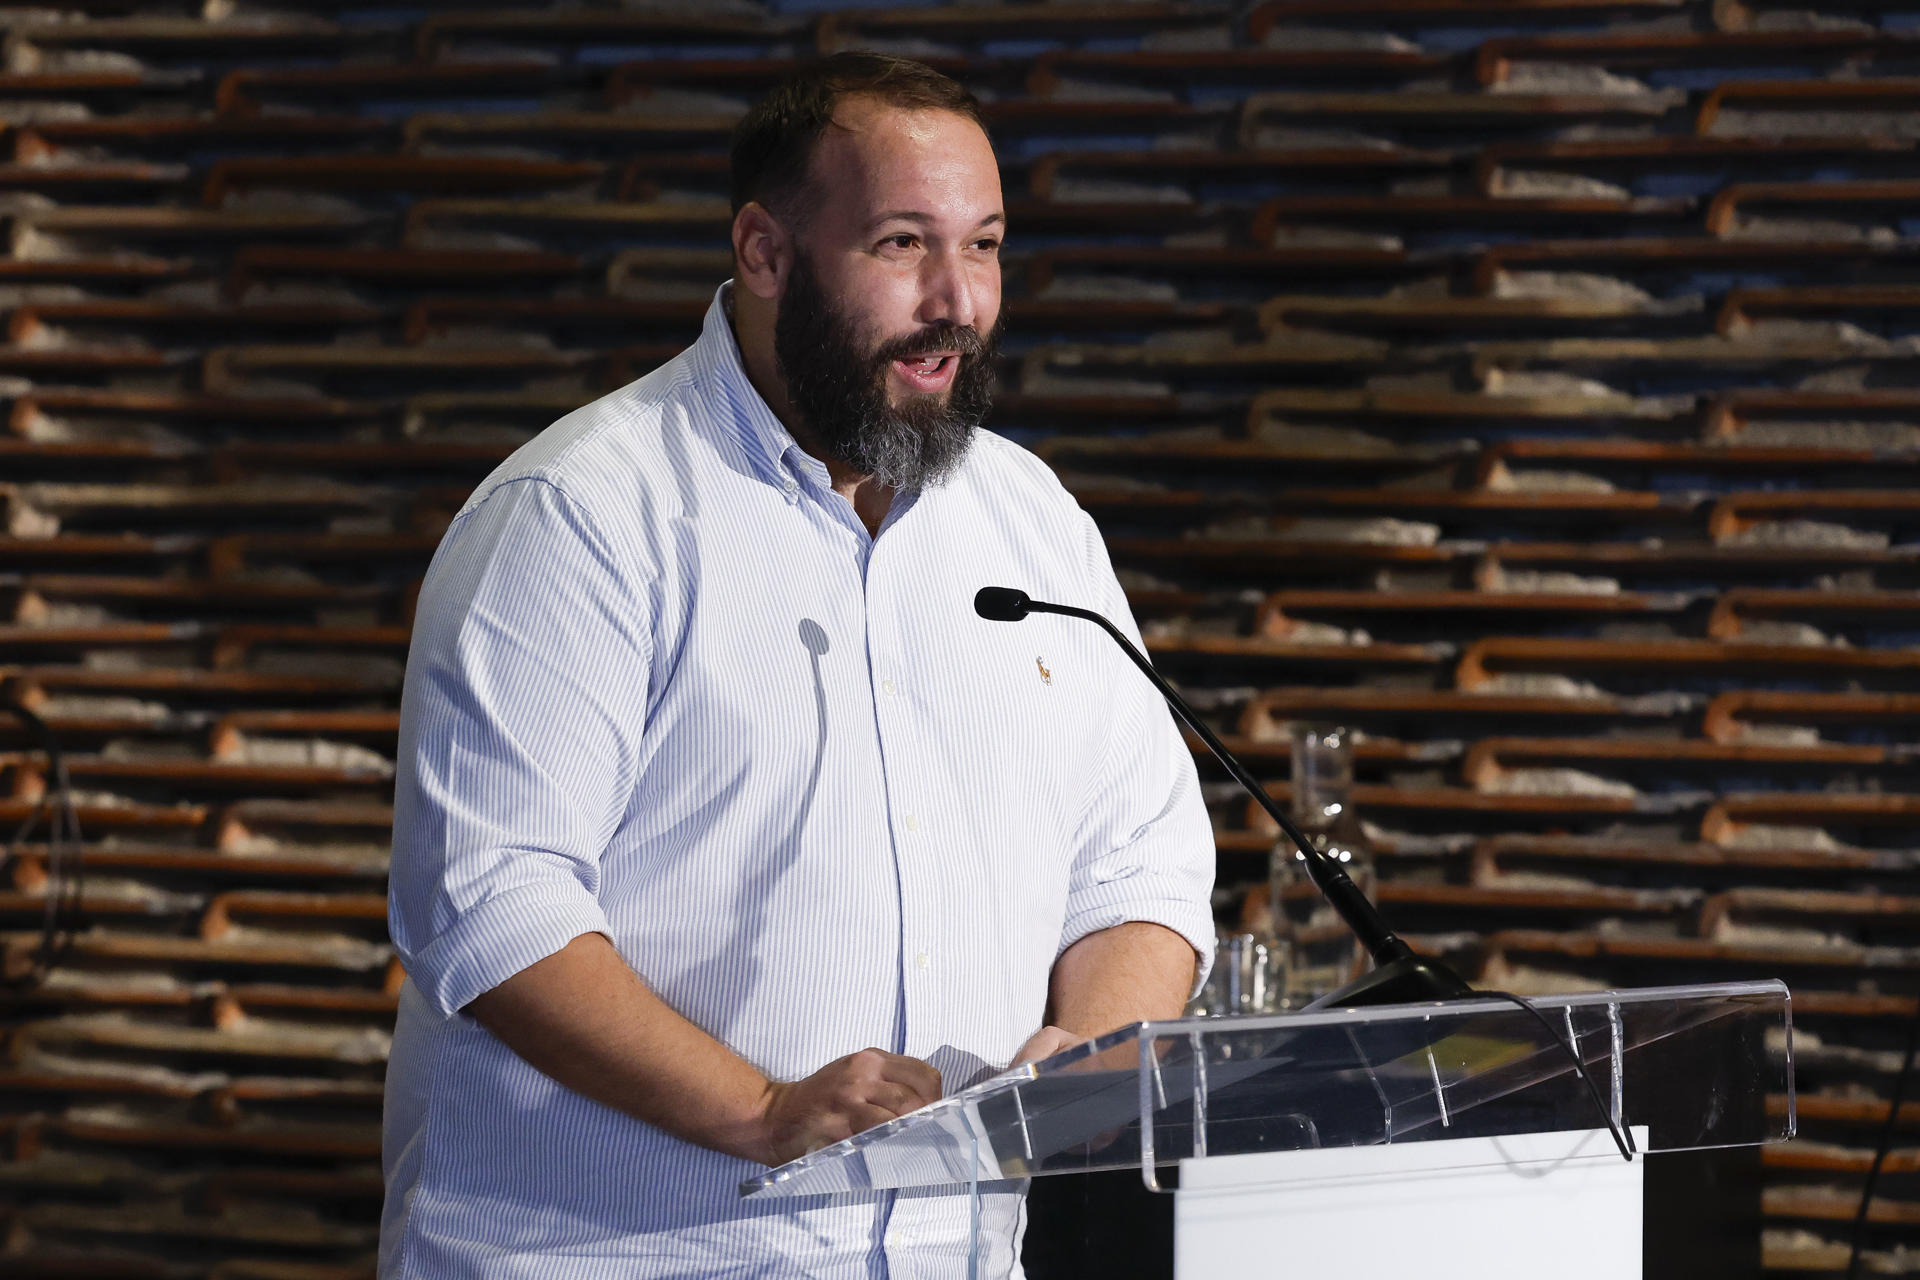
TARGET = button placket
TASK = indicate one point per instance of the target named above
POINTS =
(912, 852)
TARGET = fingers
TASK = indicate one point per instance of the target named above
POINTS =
(896, 1099)
(826, 1128)
(1044, 1043)
(1067, 1041)
(922, 1078)
(845, 1097)
(861, 1116)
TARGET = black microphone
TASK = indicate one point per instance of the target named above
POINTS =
(1001, 604)
(1400, 976)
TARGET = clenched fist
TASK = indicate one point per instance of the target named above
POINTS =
(840, 1099)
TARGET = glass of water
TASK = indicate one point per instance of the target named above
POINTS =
(1246, 978)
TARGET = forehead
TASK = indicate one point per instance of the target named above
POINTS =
(876, 158)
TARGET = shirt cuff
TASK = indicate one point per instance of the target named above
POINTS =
(1191, 920)
(497, 938)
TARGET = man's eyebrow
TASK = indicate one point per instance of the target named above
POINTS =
(911, 215)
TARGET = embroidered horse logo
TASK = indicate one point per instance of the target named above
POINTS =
(1046, 676)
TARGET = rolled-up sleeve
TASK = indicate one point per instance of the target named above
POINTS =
(1145, 845)
(525, 698)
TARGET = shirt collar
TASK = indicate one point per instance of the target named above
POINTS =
(769, 445)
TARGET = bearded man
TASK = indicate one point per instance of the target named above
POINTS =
(724, 829)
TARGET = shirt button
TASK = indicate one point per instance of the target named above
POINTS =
(923, 961)
(888, 688)
(913, 823)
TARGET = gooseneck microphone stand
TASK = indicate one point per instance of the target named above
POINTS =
(1399, 976)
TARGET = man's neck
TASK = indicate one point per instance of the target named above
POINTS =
(753, 336)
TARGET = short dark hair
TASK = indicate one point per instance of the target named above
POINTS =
(773, 143)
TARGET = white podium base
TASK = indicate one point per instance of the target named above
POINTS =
(1515, 1208)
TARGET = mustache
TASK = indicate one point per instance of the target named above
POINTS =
(963, 338)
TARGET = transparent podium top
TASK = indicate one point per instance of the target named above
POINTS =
(1700, 1066)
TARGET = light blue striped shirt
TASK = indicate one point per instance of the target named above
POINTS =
(664, 686)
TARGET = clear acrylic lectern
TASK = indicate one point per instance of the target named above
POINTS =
(1684, 1068)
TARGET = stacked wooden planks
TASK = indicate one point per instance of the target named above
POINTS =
(1531, 384)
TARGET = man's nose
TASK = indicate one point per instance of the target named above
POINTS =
(950, 291)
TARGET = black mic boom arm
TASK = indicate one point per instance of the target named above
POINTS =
(1400, 975)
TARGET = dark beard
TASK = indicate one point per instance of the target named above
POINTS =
(839, 389)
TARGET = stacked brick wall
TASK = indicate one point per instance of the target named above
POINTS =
(1533, 384)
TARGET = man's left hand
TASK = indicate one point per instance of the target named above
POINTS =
(1044, 1043)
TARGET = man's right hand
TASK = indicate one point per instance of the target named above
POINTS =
(842, 1098)
(584, 1017)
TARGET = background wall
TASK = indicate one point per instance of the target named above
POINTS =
(1531, 383)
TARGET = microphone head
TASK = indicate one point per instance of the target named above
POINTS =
(1000, 604)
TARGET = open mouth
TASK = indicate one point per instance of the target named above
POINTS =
(932, 372)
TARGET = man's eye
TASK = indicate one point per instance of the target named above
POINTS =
(991, 246)
(901, 241)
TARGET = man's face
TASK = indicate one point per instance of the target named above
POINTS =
(888, 320)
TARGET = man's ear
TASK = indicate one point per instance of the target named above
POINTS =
(762, 251)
